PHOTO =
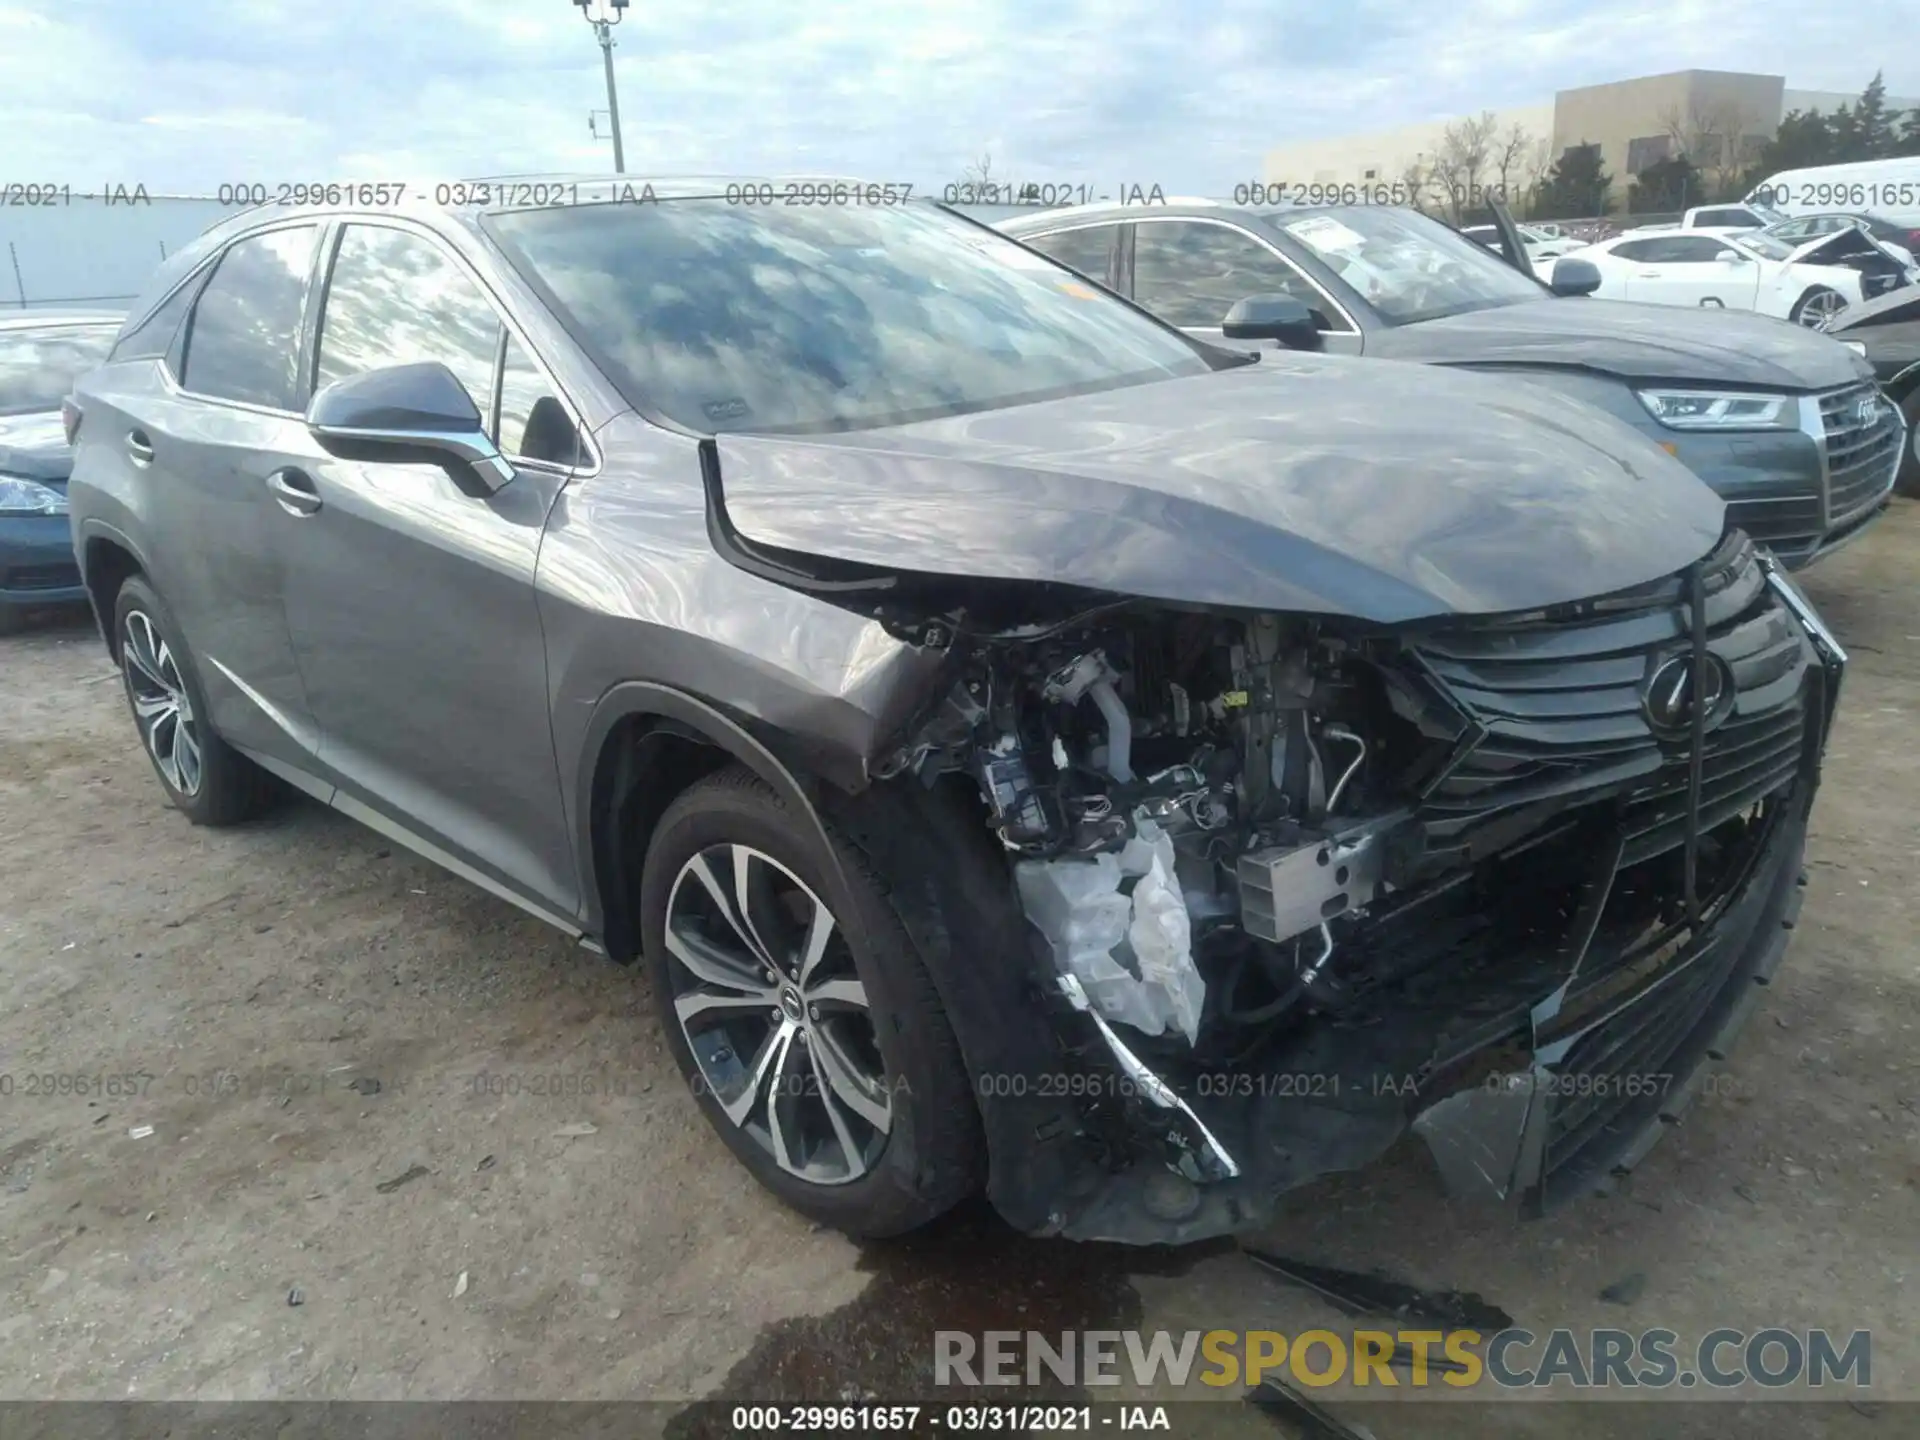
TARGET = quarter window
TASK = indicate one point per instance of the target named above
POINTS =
(1190, 273)
(243, 340)
(1087, 250)
(534, 425)
(152, 339)
(397, 299)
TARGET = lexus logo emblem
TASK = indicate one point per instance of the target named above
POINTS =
(1668, 701)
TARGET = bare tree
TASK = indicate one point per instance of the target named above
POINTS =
(1415, 182)
(976, 181)
(1712, 135)
(1512, 156)
(1459, 166)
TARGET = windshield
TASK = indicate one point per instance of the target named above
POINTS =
(1765, 246)
(38, 367)
(1408, 267)
(727, 317)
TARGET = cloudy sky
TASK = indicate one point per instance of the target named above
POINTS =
(182, 95)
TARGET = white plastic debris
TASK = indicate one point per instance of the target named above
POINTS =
(460, 1285)
(1133, 954)
(139, 1132)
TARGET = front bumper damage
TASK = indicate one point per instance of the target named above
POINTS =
(1554, 1001)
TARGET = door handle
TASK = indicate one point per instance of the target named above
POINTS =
(139, 447)
(294, 490)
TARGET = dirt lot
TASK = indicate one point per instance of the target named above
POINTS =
(335, 1046)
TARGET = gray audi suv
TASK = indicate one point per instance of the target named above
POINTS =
(1025, 747)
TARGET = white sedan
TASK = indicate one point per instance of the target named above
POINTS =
(1743, 270)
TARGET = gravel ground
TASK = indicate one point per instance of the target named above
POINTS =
(292, 1063)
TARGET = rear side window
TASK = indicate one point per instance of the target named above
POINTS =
(396, 298)
(152, 338)
(243, 339)
(39, 367)
(1086, 250)
(1728, 219)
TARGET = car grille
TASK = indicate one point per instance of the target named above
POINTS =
(40, 577)
(1862, 454)
(1788, 526)
(1554, 704)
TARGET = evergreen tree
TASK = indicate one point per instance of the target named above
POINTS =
(1576, 187)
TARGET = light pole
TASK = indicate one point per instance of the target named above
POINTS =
(603, 31)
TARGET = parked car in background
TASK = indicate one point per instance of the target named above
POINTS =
(1728, 217)
(1885, 187)
(1887, 332)
(1900, 241)
(41, 355)
(956, 684)
(1745, 270)
(1398, 285)
(1542, 248)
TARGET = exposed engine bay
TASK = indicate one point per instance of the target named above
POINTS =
(1192, 803)
(1309, 882)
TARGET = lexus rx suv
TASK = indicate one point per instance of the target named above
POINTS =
(1025, 747)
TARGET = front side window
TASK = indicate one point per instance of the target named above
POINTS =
(1409, 267)
(1088, 249)
(1190, 272)
(738, 318)
(38, 367)
(1764, 246)
(1690, 249)
(243, 339)
(396, 298)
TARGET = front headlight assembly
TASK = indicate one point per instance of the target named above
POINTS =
(1721, 409)
(29, 497)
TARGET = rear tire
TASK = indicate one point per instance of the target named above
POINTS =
(838, 1081)
(1816, 306)
(206, 778)
(1907, 482)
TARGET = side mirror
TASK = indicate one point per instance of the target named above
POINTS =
(1731, 256)
(1272, 317)
(1574, 277)
(405, 412)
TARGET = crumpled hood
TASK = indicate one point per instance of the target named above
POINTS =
(1306, 483)
(35, 446)
(1641, 343)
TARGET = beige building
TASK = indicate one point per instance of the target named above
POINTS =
(1719, 117)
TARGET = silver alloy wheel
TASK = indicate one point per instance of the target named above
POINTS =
(765, 991)
(1819, 309)
(161, 707)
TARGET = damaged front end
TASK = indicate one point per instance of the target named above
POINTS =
(1296, 884)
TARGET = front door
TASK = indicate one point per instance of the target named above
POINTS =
(410, 589)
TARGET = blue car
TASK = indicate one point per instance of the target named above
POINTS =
(41, 355)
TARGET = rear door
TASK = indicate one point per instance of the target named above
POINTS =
(410, 591)
(202, 451)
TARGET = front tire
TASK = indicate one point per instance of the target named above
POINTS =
(206, 778)
(806, 1024)
(1819, 305)
(1907, 482)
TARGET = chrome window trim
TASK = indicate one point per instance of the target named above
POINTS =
(1353, 327)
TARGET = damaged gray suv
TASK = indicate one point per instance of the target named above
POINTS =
(1026, 747)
